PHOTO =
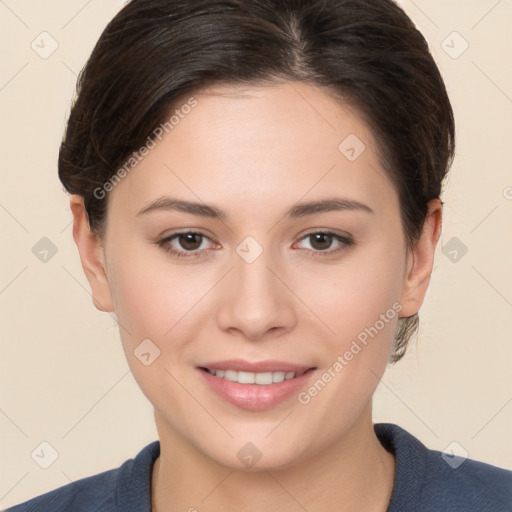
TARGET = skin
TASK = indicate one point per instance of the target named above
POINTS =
(255, 152)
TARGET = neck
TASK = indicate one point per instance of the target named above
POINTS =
(353, 473)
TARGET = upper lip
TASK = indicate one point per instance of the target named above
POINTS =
(256, 367)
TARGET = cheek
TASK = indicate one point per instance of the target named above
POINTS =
(137, 305)
(362, 309)
(151, 295)
(352, 296)
(148, 302)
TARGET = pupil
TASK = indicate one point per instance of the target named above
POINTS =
(319, 237)
(187, 241)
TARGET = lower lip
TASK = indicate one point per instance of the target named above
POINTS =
(255, 397)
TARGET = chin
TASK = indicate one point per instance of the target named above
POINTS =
(249, 457)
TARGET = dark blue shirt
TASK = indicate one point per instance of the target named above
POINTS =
(425, 480)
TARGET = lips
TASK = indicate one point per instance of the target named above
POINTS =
(255, 385)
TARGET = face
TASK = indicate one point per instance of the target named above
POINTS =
(278, 253)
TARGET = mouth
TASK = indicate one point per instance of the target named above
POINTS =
(255, 386)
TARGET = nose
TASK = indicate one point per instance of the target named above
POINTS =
(256, 301)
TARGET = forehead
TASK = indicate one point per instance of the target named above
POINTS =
(260, 144)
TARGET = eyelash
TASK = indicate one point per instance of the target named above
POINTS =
(164, 243)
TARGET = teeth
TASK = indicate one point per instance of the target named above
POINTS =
(246, 377)
(230, 375)
(263, 378)
(266, 378)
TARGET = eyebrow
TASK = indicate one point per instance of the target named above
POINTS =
(296, 211)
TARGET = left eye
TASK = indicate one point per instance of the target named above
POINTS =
(190, 243)
(322, 242)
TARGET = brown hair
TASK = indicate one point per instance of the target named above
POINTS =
(368, 52)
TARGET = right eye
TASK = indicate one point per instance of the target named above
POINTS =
(185, 244)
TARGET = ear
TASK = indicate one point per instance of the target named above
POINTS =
(420, 261)
(91, 255)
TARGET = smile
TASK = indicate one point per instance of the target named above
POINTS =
(255, 386)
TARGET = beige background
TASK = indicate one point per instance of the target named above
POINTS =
(64, 379)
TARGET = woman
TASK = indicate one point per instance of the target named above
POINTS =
(255, 187)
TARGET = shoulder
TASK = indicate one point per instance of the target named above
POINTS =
(123, 489)
(92, 493)
(432, 480)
